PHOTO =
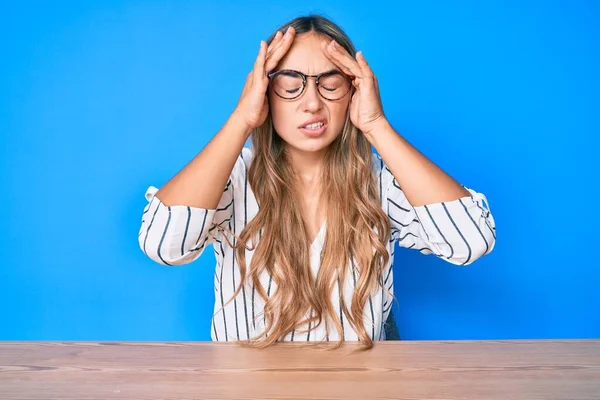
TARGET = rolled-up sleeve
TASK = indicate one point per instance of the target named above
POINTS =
(178, 234)
(459, 231)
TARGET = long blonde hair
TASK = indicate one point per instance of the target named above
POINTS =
(353, 210)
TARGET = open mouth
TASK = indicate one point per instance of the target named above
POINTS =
(314, 128)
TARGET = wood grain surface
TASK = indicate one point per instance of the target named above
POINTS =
(441, 370)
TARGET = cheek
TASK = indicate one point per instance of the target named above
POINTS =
(280, 113)
(338, 113)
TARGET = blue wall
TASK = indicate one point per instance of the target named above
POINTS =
(99, 102)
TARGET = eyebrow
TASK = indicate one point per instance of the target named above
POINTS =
(322, 73)
(329, 71)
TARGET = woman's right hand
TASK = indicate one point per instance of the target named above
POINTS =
(253, 106)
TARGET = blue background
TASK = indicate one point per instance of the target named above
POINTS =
(99, 101)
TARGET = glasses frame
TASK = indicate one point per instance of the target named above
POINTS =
(305, 77)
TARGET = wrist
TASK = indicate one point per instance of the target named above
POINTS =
(379, 125)
(238, 122)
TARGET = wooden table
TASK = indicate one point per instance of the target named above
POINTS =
(520, 369)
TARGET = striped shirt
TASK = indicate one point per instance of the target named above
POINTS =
(458, 231)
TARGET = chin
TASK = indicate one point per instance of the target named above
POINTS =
(313, 144)
(304, 143)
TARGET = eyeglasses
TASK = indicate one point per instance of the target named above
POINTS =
(290, 84)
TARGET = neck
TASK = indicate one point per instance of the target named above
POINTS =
(307, 166)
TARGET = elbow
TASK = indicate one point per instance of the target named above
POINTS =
(476, 250)
(160, 251)
(151, 248)
(164, 238)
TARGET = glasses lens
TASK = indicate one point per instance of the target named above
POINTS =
(333, 86)
(287, 84)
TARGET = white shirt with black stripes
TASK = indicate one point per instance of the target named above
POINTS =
(458, 231)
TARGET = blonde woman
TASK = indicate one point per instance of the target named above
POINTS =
(304, 222)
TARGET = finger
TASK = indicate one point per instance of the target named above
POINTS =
(329, 55)
(259, 56)
(370, 82)
(283, 44)
(259, 64)
(274, 43)
(286, 43)
(341, 55)
(275, 48)
(338, 64)
(344, 67)
(364, 66)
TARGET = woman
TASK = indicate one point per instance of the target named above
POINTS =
(304, 222)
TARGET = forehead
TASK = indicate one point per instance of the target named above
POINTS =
(305, 55)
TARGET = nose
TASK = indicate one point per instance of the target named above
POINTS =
(312, 100)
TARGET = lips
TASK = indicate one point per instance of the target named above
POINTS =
(313, 121)
(314, 130)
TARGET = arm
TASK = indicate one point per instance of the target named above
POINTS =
(459, 230)
(177, 222)
(180, 219)
(422, 181)
(428, 209)
(212, 166)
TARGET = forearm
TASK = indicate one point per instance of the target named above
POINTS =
(421, 180)
(201, 182)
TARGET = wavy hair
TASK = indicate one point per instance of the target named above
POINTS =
(357, 227)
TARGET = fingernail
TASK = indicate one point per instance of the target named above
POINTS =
(287, 31)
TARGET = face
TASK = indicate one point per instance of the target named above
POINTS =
(289, 116)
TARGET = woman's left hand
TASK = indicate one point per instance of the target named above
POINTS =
(366, 110)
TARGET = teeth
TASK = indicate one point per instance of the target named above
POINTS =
(314, 126)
